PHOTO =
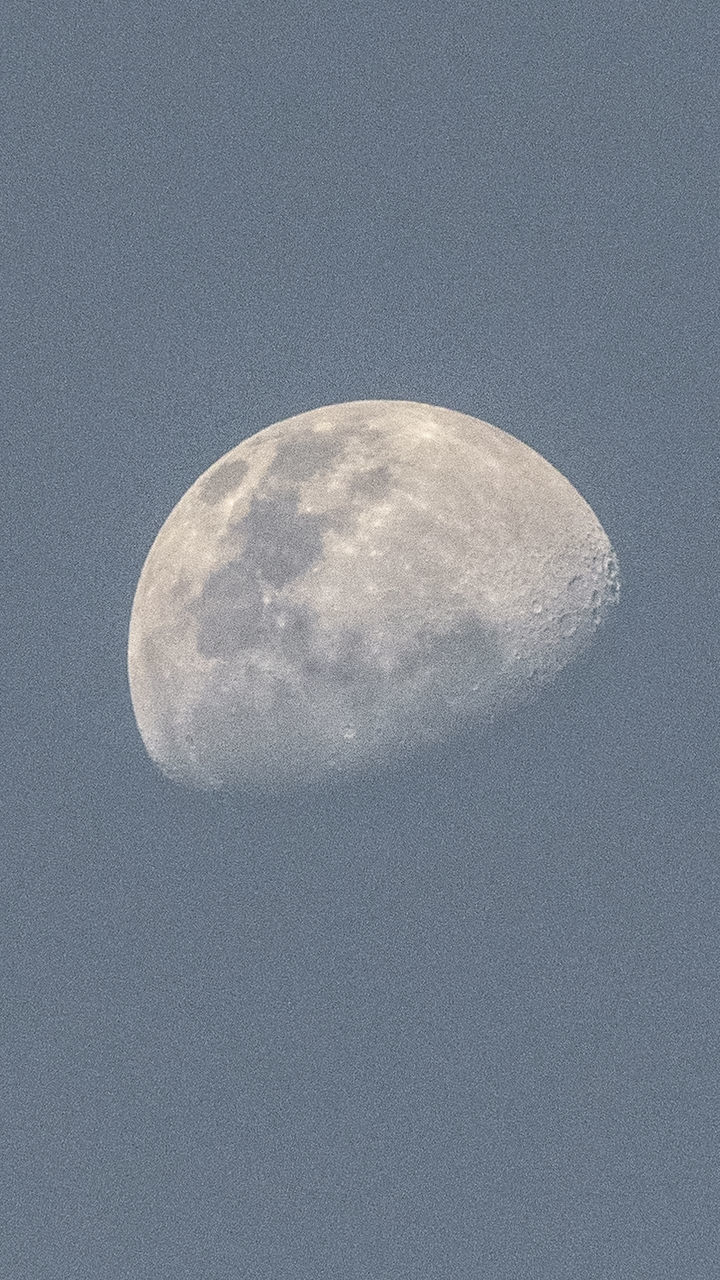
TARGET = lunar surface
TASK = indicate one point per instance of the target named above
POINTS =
(351, 583)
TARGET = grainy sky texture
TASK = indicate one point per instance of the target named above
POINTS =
(456, 1022)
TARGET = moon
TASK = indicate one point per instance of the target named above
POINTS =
(351, 583)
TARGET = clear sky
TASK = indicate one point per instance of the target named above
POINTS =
(455, 1022)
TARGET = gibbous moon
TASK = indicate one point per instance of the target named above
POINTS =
(351, 583)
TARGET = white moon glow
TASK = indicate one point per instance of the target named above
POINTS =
(352, 582)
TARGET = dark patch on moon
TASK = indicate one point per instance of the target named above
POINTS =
(349, 663)
(229, 612)
(303, 456)
(281, 543)
(376, 483)
(223, 481)
(278, 544)
(308, 453)
(297, 640)
(179, 589)
(470, 651)
(295, 636)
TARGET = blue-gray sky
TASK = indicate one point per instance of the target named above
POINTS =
(460, 1021)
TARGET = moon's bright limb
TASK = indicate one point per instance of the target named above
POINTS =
(354, 581)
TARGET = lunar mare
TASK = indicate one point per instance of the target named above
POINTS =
(352, 582)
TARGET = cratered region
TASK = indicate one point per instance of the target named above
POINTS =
(352, 583)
